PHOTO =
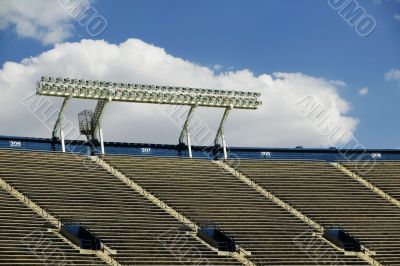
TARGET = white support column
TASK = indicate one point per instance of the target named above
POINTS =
(220, 133)
(189, 144)
(185, 130)
(101, 140)
(61, 123)
(224, 147)
(58, 125)
(62, 140)
(186, 124)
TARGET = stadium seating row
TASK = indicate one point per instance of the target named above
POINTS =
(333, 199)
(383, 174)
(25, 240)
(203, 191)
(74, 188)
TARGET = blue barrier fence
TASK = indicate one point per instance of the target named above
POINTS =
(140, 149)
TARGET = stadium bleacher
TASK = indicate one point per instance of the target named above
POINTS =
(25, 239)
(203, 191)
(333, 199)
(383, 174)
(74, 188)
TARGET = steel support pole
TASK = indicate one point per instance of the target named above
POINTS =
(185, 130)
(101, 140)
(189, 144)
(62, 141)
(58, 125)
(224, 147)
(220, 133)
(186, 124)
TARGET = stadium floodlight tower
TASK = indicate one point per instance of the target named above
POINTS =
(105, 92)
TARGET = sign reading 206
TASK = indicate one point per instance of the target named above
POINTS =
(15, 144)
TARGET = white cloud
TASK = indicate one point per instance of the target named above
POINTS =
(363, 91)
(392, 75)
(217, 67)
(339, 83)
(277, 123)
(397, 16)
(43, 20)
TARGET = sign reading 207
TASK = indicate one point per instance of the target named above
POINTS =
(14, 144)
(146, 150)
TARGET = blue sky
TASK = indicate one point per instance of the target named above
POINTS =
(308, 37)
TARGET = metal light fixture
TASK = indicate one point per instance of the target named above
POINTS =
(87, 89)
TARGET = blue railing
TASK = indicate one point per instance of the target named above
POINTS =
(160, 150)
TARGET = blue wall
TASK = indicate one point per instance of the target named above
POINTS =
(140, 149)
